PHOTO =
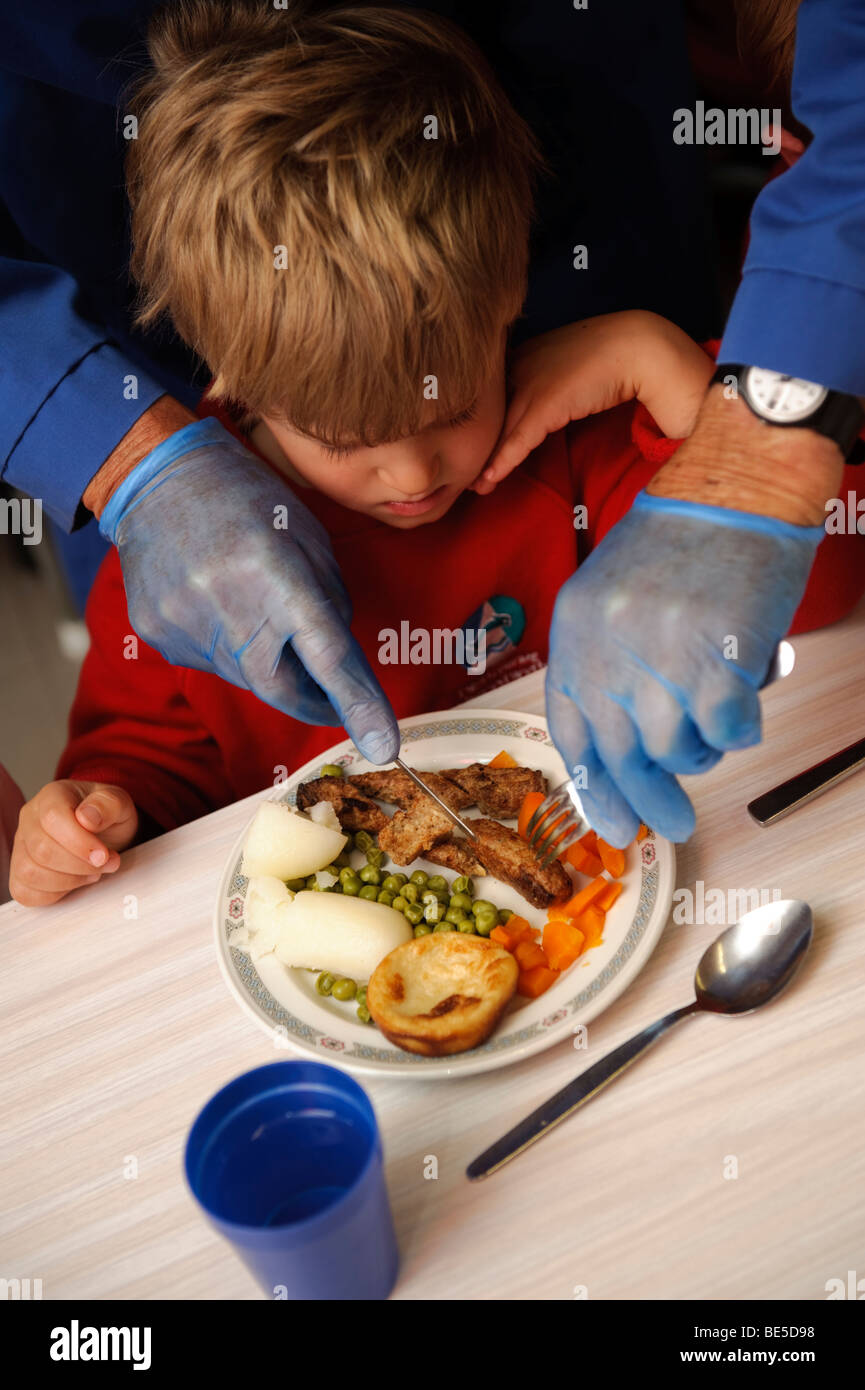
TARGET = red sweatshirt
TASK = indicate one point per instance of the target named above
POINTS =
(184, 742)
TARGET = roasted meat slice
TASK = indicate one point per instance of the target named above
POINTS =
(456, 854)
(496, 791)
(354, 811)
(412, 832)
(508, 858)
(394, 785)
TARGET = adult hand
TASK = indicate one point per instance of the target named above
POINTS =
(643, 682)
(591, 366)
(658, 646)
(226, 571)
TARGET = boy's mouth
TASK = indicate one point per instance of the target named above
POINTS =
(419, 505)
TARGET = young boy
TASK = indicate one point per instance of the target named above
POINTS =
(334, 210)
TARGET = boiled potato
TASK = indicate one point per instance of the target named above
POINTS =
(284, 843)
(267, 899)
(345, 935)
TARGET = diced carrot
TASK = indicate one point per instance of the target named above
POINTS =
(583, 860)
(606, 899)
(531, 983)
(613, 859)
(563, 942)
(580, 901)
(642, 833)
(589, 841)
(529, 954)
(531, 802)
(591, 924)
(503, 759)
(512, 932)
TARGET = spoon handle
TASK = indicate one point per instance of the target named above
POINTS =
(572, 1096)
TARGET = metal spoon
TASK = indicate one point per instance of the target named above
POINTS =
(746, 966)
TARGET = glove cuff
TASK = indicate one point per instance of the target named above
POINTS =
(727, 516)
(145, 475)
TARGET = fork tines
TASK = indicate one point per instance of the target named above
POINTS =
(555, 825)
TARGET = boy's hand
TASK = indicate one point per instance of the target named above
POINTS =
(68, 835)
(591, 366)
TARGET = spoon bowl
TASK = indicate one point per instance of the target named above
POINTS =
(752, 961)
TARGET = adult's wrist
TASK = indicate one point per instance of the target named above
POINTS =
(162, 419)
(733, 459)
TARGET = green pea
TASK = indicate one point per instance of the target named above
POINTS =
(370, 874)
(375, 857)
(368, 891)
(364, 841)
(505, 916)
(349, 842)
(352, 886)
(434, 912)
(428, 896)
(414, 914)
(341, 861)
(468, 925)
(384, 897)
(403, 878)
(332, 869)
(456, 915)
(461, 901)
(344, 989)
(419, 878)
(347, 872)
(295, 885)
(481, 905)
(335, 888)
(410, 892)
(332, 770)
(361, 994)
(464, 885)
(422, 929)
(363, 1014)
(443, 926)
(391, 884)
(325, 982)
(400, 903)
(485, 921)
(437, 883)
(311, 881)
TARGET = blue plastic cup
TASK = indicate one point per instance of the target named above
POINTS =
(286, 1162)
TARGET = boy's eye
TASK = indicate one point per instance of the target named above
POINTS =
(464, 416)
(339, 451)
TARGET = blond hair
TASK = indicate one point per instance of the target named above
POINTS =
(405, 256)
(766, 31)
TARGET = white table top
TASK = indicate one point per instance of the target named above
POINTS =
(114, 1032)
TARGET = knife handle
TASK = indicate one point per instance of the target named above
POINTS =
(802, 788)
(572, 1096)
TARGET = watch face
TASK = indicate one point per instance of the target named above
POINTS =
(782, 399)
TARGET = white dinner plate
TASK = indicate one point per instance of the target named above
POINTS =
(285, 1001)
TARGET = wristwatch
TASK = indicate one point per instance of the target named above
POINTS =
(789, 401)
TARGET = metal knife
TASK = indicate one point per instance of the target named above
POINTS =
(799, 790)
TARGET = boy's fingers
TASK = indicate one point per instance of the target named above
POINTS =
(31, 885)
(104, 807)
(44, 851)
(55, 815)
(519, 438)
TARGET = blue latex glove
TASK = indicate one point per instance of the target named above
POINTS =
(212, 583)
(638, 686)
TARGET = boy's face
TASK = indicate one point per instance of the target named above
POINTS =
(413, 481)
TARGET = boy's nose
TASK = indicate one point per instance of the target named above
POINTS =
(412, 477)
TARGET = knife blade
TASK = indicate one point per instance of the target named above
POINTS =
(441, 805)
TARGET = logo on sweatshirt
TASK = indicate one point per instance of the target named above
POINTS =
(503, 620)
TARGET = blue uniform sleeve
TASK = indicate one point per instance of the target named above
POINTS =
(800, 308)
(67, 394)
